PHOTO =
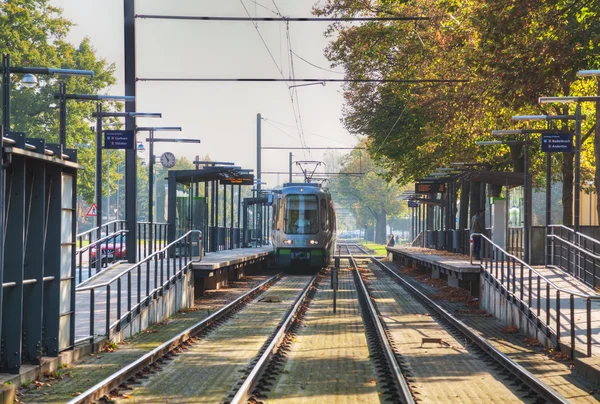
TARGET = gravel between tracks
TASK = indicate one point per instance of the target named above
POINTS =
(209, 368)
(555, 374)
(94, 368)
(445, 374)
(329, 360)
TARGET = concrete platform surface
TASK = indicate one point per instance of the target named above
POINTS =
(454, 262)
(221, 259)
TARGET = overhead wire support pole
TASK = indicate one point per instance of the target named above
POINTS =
(275, 19)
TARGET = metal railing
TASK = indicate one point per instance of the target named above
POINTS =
(151, 237)
(530, 291)
(94, 256)
(574, 253)
(91, 235)
(137, 286)
(515, 241)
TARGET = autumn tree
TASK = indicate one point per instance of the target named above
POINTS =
(34, 34)
(510, 51)
(369, 196)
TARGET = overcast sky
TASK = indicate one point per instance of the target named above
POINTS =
(222, 115)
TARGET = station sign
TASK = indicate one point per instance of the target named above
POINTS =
(413, 204)
(557, 142)
(119, 139)
(430, 187)
(238, 180)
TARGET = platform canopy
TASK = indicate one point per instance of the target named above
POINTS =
(212, 173)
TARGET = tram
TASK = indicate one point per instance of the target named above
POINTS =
(303, 226)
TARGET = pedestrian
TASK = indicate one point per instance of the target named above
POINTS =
(391, 242)
(477, 227)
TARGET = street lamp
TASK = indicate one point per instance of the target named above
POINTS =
(578, 118)
(526, 179)
(151, 140)
(99, 115)
(548, 119)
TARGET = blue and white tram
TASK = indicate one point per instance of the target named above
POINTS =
(304, 226)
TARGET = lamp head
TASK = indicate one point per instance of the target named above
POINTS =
(29, 81)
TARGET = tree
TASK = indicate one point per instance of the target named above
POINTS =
(511, 51)
(33, 32)
(370, 197)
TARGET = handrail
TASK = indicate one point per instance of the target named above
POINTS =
(101, 241)
(555, 286)
(144, 261)
(574, 246)
(574, 232)
(103, 225)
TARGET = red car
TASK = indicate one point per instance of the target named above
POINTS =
(111, 251)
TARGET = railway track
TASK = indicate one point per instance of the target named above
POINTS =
(138, 375)
(507, 370)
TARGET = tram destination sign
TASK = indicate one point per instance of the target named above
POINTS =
(557, 142)
(238, 180)
(118, 139)
(430, 187)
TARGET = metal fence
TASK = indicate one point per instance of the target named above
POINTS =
(530, 291)
(151, 237)
(104, 252)
(515, 241)
(575, 253)
(136, 287)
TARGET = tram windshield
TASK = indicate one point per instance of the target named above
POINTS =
(301, 214)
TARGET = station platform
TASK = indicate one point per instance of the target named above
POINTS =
(461, 273)
(214, 271)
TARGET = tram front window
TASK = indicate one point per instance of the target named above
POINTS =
(301, 214)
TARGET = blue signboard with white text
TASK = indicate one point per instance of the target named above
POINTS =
(557, 142)
(118, 139)
(413, 204)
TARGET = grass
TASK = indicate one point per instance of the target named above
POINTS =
(378, 249)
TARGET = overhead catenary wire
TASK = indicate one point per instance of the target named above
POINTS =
(302, 80)
(314, 65)
(310, 133)
(276, 19)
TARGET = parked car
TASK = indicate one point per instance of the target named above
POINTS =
(111, 251)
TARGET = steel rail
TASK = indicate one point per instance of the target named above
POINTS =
(245, 390)
(399, 380)
(520, 372)
(130, 370)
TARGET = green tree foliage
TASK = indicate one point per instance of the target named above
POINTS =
(511, 51)
(33, 32)
(370, 197)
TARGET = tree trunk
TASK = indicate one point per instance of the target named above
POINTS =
(380, 236)
(463, 220)
(567, 189)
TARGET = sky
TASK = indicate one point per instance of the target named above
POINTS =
(223, 115)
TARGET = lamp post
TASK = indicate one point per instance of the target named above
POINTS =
(548, 119)
(99, 115)
(62, 96)
(578, 118)
(526, 181)
(151, 140)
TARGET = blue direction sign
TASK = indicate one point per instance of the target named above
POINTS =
(118, 139)
(413, 204)
(557, 142)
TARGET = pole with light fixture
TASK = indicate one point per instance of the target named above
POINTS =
(151, 140)
(578, 118)
(548, 119)
(526, 180)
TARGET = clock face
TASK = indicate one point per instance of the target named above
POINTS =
(167, 160)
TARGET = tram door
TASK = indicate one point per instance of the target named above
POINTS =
(190, 216)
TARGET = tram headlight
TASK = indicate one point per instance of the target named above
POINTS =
(288, 242)
(313, 242)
